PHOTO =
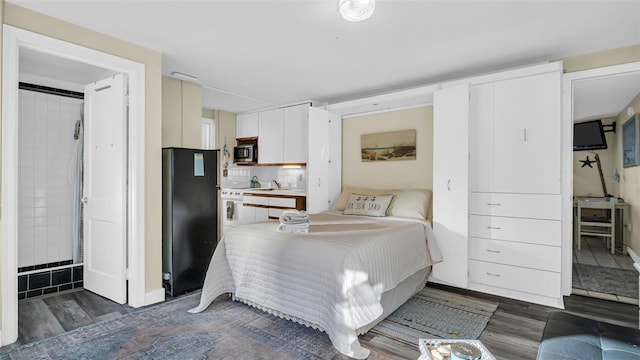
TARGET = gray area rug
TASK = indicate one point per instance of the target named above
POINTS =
(232, 330)
(622, 282)
(434, 313)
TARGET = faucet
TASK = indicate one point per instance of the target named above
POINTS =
(277, 184)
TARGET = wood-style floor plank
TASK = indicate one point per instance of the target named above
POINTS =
(36, 321)
(513, 332)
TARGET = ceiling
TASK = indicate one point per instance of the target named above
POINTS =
(250, 55)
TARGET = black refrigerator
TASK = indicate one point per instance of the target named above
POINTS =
(189, 217)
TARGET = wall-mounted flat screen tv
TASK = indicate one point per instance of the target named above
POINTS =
(589, 135)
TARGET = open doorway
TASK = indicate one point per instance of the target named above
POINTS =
(16, 43)
(602, 100)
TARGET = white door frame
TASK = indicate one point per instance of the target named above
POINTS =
(13, 39)
(567, 157)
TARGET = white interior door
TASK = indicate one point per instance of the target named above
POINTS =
(451, 182)
(105, 193)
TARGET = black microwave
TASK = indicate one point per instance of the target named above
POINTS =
(245, 153)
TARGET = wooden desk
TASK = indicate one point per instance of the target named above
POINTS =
(622, 209)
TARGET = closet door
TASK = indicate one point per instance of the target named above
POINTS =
(527, 134)
(481, 141)
(318, 163)
(450, 182)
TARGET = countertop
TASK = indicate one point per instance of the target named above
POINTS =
(272, 191)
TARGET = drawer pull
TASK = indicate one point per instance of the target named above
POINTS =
(494, 275)
(494, 227)
(494, 251)
(494, 204)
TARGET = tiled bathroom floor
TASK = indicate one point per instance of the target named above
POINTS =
(594, 252)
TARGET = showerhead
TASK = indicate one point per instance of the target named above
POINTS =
(76, 133)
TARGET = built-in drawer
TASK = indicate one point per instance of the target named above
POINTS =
(534, 206)
(275, 213)
(283, 202)
(255, 200)
(540, 282)
(535, 231)
(541, 257)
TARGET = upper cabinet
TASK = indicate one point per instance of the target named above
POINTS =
(181, 114)
(271, 136)
(296, 123)
(282, 134)
(517, 142)
(527, 134)
(247, 125)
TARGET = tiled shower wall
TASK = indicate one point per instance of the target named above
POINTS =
(46, 181)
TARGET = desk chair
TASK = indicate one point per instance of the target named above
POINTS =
(603, 226)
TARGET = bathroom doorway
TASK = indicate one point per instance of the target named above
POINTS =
(16, 43)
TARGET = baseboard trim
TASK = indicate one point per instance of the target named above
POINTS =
(154, 297)
(634, 256)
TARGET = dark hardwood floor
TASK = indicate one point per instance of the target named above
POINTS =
(513, 332)
(54, 314)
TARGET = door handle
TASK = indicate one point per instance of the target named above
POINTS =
(449, 185)
(494, 251)
(494, 228)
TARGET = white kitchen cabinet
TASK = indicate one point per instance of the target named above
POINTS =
(301, 134)
(269, 206)
(450, 182)
(296, 134)
(247, 125)
(282, 135)
(271, 136)
(318, 161)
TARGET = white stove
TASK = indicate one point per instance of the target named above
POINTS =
(231, 194)
(233, 211)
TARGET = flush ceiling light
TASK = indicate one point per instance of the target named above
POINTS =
(357, 10)
(184, 76)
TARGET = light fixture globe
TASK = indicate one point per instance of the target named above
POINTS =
(357, 10)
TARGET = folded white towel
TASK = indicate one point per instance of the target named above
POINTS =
(294, 228)
(294, 217)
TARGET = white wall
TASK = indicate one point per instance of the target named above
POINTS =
(45, 193)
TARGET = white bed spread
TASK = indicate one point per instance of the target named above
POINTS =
(331, 278)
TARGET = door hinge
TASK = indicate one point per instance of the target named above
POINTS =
(126, 100)
(126, 274)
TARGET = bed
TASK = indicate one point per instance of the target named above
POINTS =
(342, 277)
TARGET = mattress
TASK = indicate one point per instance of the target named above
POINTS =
(332, 278)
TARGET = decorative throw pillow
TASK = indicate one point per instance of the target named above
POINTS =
(368, 205)
(410, 203)
(341, 203)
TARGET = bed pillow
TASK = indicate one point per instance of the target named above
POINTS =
(411, 203)
(341, 203)
(368, 205)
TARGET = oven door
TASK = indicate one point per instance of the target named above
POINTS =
(235, 213)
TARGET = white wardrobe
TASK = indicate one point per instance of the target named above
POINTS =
(497, 196)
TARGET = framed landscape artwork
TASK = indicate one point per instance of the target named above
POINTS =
(630, 141)
(388, 146)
